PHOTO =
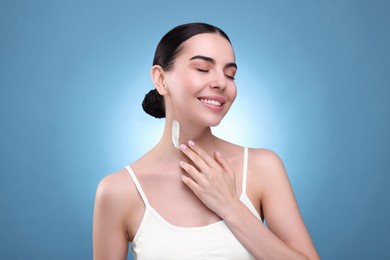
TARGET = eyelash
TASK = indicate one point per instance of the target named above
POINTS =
(229, 77)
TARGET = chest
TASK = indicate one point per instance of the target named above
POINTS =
(157, 239)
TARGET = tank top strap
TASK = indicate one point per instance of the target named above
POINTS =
(137, 185)
(245, 170)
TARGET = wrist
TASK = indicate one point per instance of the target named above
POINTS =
(231, 210)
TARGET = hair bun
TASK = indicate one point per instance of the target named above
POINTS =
(153, 104)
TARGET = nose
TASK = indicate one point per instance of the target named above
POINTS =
(219, 81)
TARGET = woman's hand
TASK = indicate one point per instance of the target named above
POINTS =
(212, 179)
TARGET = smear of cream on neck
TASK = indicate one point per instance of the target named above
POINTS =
(175, 133)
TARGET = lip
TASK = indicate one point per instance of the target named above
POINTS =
(220, 99)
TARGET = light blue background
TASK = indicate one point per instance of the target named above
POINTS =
(313, 84)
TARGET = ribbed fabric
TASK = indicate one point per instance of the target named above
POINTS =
(158, 239)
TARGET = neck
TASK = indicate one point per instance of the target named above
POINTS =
(202, 136)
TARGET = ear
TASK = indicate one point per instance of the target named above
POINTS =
(158, 77)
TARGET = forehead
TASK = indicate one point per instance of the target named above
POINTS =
(211, 45)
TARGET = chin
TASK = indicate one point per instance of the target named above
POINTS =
(207, 120)
(215, 123)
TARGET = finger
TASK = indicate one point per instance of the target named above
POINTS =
(195, 158)
(202, 153)
(191, 170)
(223, 162)
(190, 183)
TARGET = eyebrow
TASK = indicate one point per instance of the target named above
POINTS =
(212, 61)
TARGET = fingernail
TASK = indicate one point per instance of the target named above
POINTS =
(190, 142)
(183, 146)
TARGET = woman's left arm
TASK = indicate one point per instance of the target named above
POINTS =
(213, 182)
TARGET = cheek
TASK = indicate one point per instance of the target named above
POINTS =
(233, 93)
(191, 80)
(183, 88)
(189, 84)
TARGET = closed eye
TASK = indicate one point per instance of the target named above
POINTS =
(230, 77)
(202, 70)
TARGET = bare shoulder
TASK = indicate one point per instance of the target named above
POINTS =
(265, 157)
(278, 201)
(114, 207)
(267, 173)
(112, 185)
(116, 190)
(266, 163)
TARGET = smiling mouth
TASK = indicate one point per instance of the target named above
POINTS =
(210, 102)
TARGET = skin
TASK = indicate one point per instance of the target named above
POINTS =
(204, 177)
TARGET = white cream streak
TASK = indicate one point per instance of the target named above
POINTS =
(175, 134)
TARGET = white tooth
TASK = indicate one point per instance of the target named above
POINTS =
(212, 102)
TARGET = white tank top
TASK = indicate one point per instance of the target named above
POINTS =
(158, 239)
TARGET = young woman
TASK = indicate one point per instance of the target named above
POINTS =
(207, 198)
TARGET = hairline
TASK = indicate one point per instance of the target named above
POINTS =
(180, 48)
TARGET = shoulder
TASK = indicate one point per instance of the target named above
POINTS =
(116, 190)
(112, 210)
(267, 170)
(265, 159)
(112, 184)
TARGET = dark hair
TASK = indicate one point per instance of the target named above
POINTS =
(167, 50)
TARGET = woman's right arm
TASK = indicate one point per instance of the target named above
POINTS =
(110, 239)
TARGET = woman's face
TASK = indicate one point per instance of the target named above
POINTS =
(201, 84)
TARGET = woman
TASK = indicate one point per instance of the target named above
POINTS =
(206, 198)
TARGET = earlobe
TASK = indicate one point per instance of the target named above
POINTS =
(158, 78)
